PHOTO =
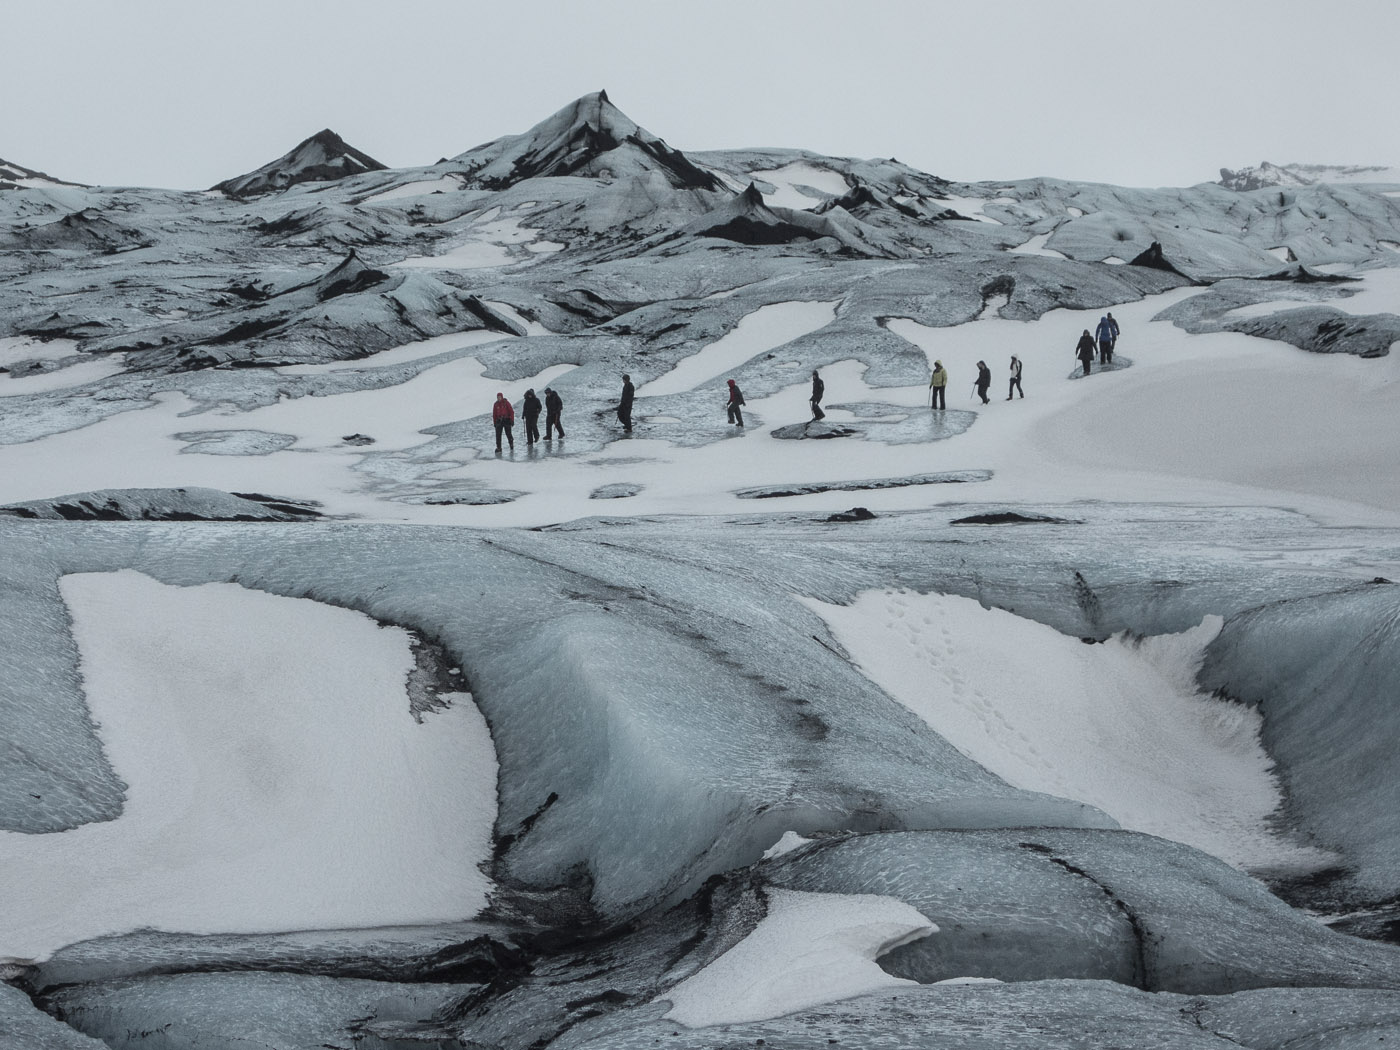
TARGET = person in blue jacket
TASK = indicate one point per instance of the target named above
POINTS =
(1107, 335)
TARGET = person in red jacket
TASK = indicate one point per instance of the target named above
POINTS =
(734, 407)
(503, 415)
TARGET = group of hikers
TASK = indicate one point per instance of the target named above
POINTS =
(1101, 342)
(503, 417)
(503, 413)
(938, 383)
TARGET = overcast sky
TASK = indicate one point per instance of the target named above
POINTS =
(185, 93)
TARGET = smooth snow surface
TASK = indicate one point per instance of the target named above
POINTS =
(810, 949)
(1118, 725)
(276, 778)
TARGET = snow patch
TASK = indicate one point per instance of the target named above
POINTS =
(810, 949)
(419, 188)
(1119, 726)
(276, 779)
(1036, 246)
(793, 182)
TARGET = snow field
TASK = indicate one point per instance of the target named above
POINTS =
(810, 949)
(276, 779)
(488, 244)
(789, 182)
(1221, 419)
(1119, 726)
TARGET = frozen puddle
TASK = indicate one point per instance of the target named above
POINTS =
(765, 328)
(276, 779)
(810, 949)
(1118, 725)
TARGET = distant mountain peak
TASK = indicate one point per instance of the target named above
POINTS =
(323, 157)
(590, 137)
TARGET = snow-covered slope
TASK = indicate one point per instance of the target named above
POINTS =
(324, 722)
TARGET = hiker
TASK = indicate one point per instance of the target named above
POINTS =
(734, 407)
(1084, 350)
(938, 386)
(1015, 386)
(1107, 335)
(818, 389)
(530, 409)
(503, 416)
(553, 409)
(984, 381)
(624, 407)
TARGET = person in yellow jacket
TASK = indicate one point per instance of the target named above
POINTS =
(937, 386)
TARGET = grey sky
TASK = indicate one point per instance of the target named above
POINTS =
(185, 93)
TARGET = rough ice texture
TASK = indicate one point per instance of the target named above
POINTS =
(635, 668)
(1324, 671)
(193, 504)
(1030, 904)
(232, 1011)
(23, 1026)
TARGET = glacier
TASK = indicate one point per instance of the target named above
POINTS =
(1064, 721)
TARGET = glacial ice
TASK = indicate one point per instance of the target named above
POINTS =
(666, 707)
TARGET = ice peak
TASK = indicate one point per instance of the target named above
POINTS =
(590, 137)
(323, 157)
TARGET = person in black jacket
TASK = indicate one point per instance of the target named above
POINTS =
(553, 410)
(984, 381)
(1084, 350)
(624, 407)
(530, 409)
(818, 389)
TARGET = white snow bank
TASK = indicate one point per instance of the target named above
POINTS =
(488, 243)
(62, 379)
(810, 949)
(419, 188)
(276, 779)
(398, 355)
(788, 180)
(1378, 293)
(1118, 725)
(1036, 246)
(765, 328)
